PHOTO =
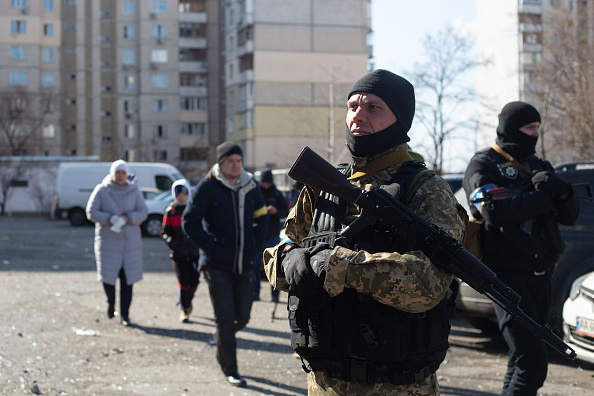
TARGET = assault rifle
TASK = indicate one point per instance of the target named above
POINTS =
(379, 206)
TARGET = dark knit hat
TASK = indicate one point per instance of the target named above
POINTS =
(266, 176)
(518, 114)
(226, 149)
(396, 91)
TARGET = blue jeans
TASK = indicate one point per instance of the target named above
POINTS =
(258, 265)
(231, 297)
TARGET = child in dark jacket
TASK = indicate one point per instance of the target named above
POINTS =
(184, 252)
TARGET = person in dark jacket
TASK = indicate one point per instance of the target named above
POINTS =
(228, 220)
(521, 201)
(184, 252)
(277, 207)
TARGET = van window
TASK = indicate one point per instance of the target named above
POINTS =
(163, 182)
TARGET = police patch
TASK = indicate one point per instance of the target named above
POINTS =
(508, 170)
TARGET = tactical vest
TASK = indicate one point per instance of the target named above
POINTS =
(355, 338)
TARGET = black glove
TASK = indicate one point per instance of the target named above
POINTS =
(549, 182)
(305, 268)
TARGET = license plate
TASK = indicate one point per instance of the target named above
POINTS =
(585, 326)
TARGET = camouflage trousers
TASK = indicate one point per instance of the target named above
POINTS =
(321, 384)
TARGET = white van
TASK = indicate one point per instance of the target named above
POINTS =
(77, 180)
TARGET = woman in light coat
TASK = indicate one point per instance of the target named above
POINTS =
(117, 208)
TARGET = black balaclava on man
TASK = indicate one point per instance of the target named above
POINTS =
(399, 95)
(514, 116)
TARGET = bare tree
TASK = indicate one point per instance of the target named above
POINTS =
(22, 116)
(10, 173)
(563, 87)
(442, 94)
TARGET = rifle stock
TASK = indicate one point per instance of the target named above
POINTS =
(442, 249)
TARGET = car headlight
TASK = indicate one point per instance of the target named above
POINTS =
(574, 292)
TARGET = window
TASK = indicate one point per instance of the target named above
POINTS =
(18, 52)
(47, 55)
(159, 6)
(70, 102)
(48, 29)
(128, 32)
(70, 26)
(188, 29)
(159, 31)
(49, 131)
(160, 131)
(70, 77)
(128, 81)
(105, 14)
(18, 3)
(192, 80)
(128, 57)
(105, 39)
(160, 106)
(18, 27)
(48, 80)
(18, 78)
(161, 155)
(128, 7)
(47, 105)
(48, 5)
(191, 6)
(159, 56)
(129, 130)
(69, 51)
(193, 129)
(160, 81)
(192, 104)
(192, 54)
(531, 58)
(105, 63)
(70, 2)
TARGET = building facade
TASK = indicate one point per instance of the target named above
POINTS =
(168, 80)
(288, 67)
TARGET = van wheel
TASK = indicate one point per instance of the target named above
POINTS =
(77, 217)
(152, 225)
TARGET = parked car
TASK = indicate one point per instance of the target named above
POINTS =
(150, 193)
(578, 317)
(576, 260)
(156, 208)
(454, 180)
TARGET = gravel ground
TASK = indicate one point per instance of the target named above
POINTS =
(55, 337)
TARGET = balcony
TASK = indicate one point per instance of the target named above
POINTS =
(192, 67)
(192, 42)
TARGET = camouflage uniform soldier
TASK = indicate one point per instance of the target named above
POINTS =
(369, 319)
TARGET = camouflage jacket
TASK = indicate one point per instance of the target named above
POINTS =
(407, 281)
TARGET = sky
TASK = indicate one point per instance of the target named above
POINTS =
(399, 27)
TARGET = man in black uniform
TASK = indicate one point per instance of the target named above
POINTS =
(521, 201)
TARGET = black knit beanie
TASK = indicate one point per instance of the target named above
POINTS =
(514, 116)
(226, 149)
(266, 176)
(399, 95)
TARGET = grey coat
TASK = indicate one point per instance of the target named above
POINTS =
(116, 250)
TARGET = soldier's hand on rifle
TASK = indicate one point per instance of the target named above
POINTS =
(305, 268)
(549, 182)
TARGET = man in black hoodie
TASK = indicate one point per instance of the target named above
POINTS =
(277, 208)
(521, 201)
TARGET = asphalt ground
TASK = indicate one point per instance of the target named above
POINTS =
(55, 337)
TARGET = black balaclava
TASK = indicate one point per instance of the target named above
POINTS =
(399, 95)
(514, 116)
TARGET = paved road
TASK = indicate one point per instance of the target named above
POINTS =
(55, 337)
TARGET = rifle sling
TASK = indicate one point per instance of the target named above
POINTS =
(512, 160)
(396, 157)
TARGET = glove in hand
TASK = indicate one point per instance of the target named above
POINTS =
(305, 268)
(549, 182)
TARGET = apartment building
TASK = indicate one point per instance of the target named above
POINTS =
(168, 80)
(288, 67)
